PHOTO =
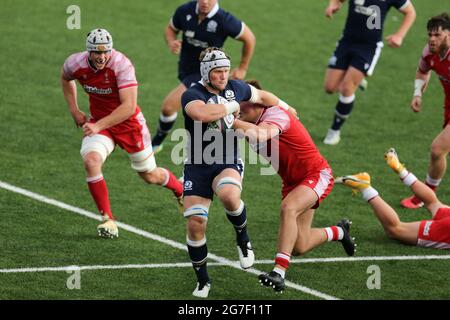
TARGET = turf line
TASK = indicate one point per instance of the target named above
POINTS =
(188, 264)
(152, 236)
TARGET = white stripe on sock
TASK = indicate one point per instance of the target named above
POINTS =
(369, 193)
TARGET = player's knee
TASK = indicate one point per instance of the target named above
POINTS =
(347, 89)
(170, 106)
(197, 216)
(330, 88)
(437, 151)
(92, 160)
(143, 161)
(153, 177)
(231, 201)
(288, 210)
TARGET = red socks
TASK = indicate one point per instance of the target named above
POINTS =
(99, 191)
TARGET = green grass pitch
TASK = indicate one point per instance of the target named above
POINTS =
(40, 153)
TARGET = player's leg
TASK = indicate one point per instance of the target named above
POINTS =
(228, 185)
(168, 116)
(421, 191)
(333, 79)
(344, 107)
(196, 211)
(394, 228)
(438, 158)
(94, 151)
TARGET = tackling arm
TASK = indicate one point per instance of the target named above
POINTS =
(257, 133)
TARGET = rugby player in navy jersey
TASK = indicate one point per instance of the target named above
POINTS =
(203, 24)
(358, 50)
(213, 165)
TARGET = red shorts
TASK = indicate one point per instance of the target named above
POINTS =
(321, 182)
(435, 233)
(131, 135)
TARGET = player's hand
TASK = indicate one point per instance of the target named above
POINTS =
(394, 40)
(416, 104)
(175, 46)
(238, 73)
(331, 10)
(80, 118)
(89, 129)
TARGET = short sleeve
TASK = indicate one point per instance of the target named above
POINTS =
(400, 4)
(242, 90)
(68, 68)
(424, 66)
(189, 96)
(125, 74)
(176, 20)
(233, 27)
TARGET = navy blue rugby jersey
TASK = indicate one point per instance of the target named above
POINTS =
(202, 136)
(211, 32)
(365, 19)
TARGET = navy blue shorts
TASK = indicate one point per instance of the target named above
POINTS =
(198, 178)
(189, 79)
(361, 56)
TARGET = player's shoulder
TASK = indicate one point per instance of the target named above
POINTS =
(195, 92)
(119, 61)
(426, 53)
(77, 58)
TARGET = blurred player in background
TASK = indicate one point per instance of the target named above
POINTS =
(358, 50)
(108, 77)
(435, 56)
(307, 179)
(434, 233)
(203, 25)
(213, 164)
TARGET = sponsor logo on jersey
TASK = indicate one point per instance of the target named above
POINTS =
(90, 89)
(211, 26)
(188, 17)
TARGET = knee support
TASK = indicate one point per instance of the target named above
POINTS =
(97, 143)
(227, 181)
(198, 211)
(143, 161)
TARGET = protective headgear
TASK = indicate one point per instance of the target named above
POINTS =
(213, 60)
(99, 40)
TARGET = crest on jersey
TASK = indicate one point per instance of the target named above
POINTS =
(188, 17)
(229, 95)
(211, 26)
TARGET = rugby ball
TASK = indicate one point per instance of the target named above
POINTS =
(222, 124)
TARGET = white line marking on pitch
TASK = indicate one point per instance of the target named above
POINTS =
(188, 264)
(155, 237)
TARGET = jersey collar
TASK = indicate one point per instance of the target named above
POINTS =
(211, 13)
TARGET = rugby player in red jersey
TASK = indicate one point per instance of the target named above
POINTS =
(435, 56)
(108, 77)
(307, 179)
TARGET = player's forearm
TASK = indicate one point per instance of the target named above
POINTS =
(420, 83)
(408, 20)
(170, 35)
(119, 115)
(248, 48)
(70, 94)
(253, 132)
